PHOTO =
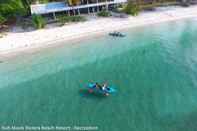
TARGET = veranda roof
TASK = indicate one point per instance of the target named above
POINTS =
(62, 6)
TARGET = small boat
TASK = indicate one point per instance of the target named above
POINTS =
(106, 91)
(117, 34)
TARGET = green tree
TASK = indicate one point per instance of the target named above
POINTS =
(38, 21)
(11, 8)
(26, 4)
(132, 8)
(104, 13)
(2, 19)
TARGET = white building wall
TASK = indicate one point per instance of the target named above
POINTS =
(120, 1)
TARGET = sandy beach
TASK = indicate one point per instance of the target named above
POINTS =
(17, 42)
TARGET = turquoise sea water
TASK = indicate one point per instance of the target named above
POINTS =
(154, 70)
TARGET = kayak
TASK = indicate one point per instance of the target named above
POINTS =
(108, 90)
(117, 34)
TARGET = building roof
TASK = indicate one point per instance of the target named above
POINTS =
(48, 8)
(62, 6)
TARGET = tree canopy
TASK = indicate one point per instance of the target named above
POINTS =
(10, 8)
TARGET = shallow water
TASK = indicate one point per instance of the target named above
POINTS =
(154, 70)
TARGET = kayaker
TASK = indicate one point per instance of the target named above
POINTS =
(104, 86)
(98, 86)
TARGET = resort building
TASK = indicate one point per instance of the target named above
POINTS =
(75, 6)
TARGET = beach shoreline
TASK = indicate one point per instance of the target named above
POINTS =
(18, 43)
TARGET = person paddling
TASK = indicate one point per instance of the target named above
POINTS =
(98, 86)
(101, 87)
(104, 86)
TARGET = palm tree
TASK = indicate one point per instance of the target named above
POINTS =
(26, 4)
